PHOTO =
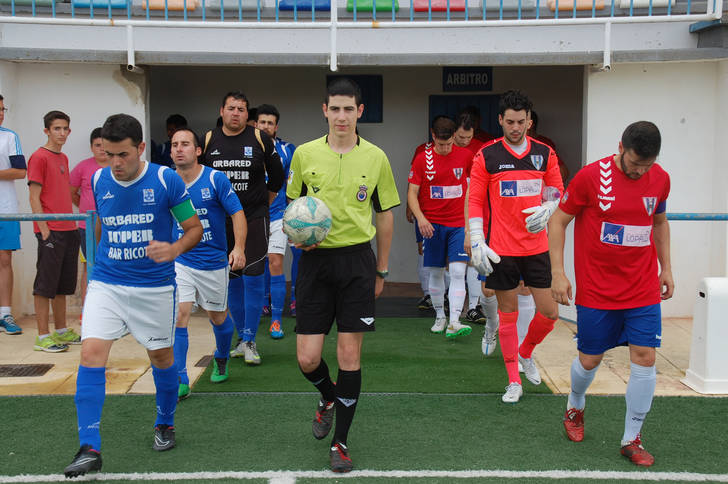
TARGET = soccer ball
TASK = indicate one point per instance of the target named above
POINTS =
(307, 221)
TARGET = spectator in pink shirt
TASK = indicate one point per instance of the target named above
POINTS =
(82, 195)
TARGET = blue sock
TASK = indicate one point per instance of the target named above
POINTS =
(90, 394)
(294, 270)
(181, 345)
(236, 299)
(223, 337)
(278, 296)
(166, 383)
(254, 289)
(266, 297)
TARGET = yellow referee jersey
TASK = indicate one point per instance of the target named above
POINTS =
(350, 184)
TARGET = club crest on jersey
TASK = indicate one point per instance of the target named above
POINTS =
(537, 161)
(458, 172)
(248, 150)
(148, 195)
(361, 195)
(205, 192)
(650, 204)
(290, 175)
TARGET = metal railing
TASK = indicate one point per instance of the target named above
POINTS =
(89, 217)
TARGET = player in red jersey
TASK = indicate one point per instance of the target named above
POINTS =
(422, 271)
(620, 234)
(508, 178)
(438, 182)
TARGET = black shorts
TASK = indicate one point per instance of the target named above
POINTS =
(336, 284)
(256, 246)
(534, 269)
(57, 265)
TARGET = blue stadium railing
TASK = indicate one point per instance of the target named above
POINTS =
(89, 217)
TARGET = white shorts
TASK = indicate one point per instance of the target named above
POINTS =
(278, 239)
(208, 289)
(112, 311)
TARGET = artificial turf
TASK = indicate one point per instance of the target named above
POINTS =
(261, 432)
(400, 356)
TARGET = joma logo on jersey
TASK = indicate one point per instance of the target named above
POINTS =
(520, 188)
(205, 192)
(247, 151)
(148, 195)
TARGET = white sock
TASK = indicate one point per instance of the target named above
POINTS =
(4, 311)
(526, 312)
(640, 390)
(447, 278)
(490, 304)
(457, 290)
(437, 290)
(62, 330)
(43, 336)
(474, 291)
(581, 378)
(424, 273)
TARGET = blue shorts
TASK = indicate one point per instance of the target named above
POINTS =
(10, 235)
(446, 244)
(599, 330)
(418, 236)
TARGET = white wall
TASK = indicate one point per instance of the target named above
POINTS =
(88, 94)
(196, 92)
(688, 103)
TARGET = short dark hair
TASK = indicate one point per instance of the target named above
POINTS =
(268, 109)
(438, 118)
(1, 97)
(643, 138)
(253, 114)
(235, 95)
(176, 120)
(52, 116)
(195, 138)
(465, 121)
(343, 86)
(534, 120)
(119, 127)
(96, 133)
(443, 128)
(515, 100)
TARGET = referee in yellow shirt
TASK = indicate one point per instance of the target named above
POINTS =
(340, 278)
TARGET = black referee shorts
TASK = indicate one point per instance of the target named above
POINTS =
(534, 269)
(336, 284)
(256, 246)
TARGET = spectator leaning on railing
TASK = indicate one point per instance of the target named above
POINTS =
(12, 167)
(57, 267)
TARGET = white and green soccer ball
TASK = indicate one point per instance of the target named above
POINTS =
(307, 221)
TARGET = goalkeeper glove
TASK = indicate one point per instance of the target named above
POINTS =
(481, 254)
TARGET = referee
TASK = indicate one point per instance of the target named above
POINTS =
(340, 278)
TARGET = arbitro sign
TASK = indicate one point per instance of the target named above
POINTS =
(467, 79)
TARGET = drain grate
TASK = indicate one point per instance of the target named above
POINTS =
(204, 361)
(24, 370)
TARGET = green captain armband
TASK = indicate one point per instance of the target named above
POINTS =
(183, 211)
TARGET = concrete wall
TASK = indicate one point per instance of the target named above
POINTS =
(88, 94)
(298, 94)
(688, 103)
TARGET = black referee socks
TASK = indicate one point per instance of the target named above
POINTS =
(322, 381)
(348, 387)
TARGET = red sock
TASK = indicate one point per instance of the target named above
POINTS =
(508, 335)
(538, 329)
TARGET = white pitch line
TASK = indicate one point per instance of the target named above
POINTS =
(283, 480)
(292, 475)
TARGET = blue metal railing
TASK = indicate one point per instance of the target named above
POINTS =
(89, 217)
(360, 10)
(697, 216)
